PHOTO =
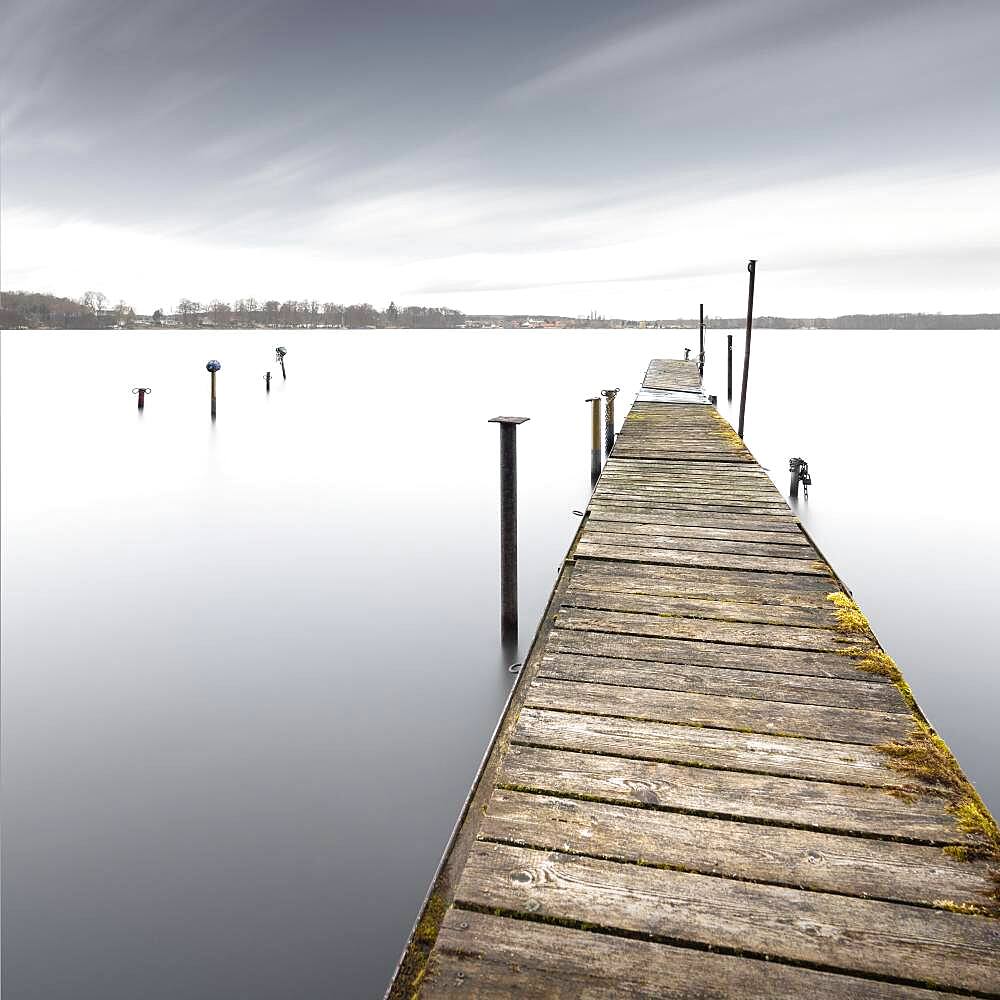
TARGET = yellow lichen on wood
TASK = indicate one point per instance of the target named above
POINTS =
(972, 909)
(850, 617)
(926, 756)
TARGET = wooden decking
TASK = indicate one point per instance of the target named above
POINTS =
(710, 781)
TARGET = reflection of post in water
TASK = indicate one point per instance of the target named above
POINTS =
(142, 396)
(213, 367)
(508, 530)
(267, 381)
(595, 439)
(609, 420)
(279, 353)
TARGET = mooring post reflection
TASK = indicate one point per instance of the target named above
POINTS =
(508, 529)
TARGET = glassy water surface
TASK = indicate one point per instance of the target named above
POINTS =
(250, 667)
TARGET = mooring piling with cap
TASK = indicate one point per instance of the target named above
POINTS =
(595, 439)
(279, 354)
(729, 367)
(701, 339)
(799, 468)
(609, 420)
(267, 381)
(213, 367)
(508, 526)
(141, 392)
(752, 268)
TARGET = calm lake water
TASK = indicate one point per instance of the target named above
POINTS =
(250, 667)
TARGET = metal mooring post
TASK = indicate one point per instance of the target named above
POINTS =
(701, 339)
(279, 353)
(799, 468)
(609, 420)
(595, 439)
(213, 367)
(687, 353)
(752, 268)
(508, 526)
(142, 396)
(267, 381)
(729, 366)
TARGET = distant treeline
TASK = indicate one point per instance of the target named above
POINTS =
(39, 311)
(36, 310)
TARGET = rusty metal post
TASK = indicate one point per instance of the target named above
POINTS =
(729, 366)
(142, 396)
(752, 268)
(213, 367)
(799, 468)
(609, 420)
(595, 439)
(279, 353)
(508, 526)
(701, 339)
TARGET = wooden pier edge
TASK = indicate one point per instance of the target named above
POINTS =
(412, 962)
(709, 778)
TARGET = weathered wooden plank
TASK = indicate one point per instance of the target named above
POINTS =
(782, 756)
(750, 586)
(806, 690)
(821, 722)
(637, 647)
(910, 943)
(626, 515)
(822, 640)
(757, 852)
(696, 544)
(679, 557)
(820, 805)
(495, 958)
(692, 607)
(695, 531)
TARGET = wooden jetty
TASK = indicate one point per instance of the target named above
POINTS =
(710, 780)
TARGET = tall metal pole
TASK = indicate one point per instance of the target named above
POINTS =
(701, 339)
(752, 268)
(609, 421)
(508, 526)
(595, 439)
(729, 366)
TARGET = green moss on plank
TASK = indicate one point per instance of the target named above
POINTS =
(924, 755)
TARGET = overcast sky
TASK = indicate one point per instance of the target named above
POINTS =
(545, 155)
